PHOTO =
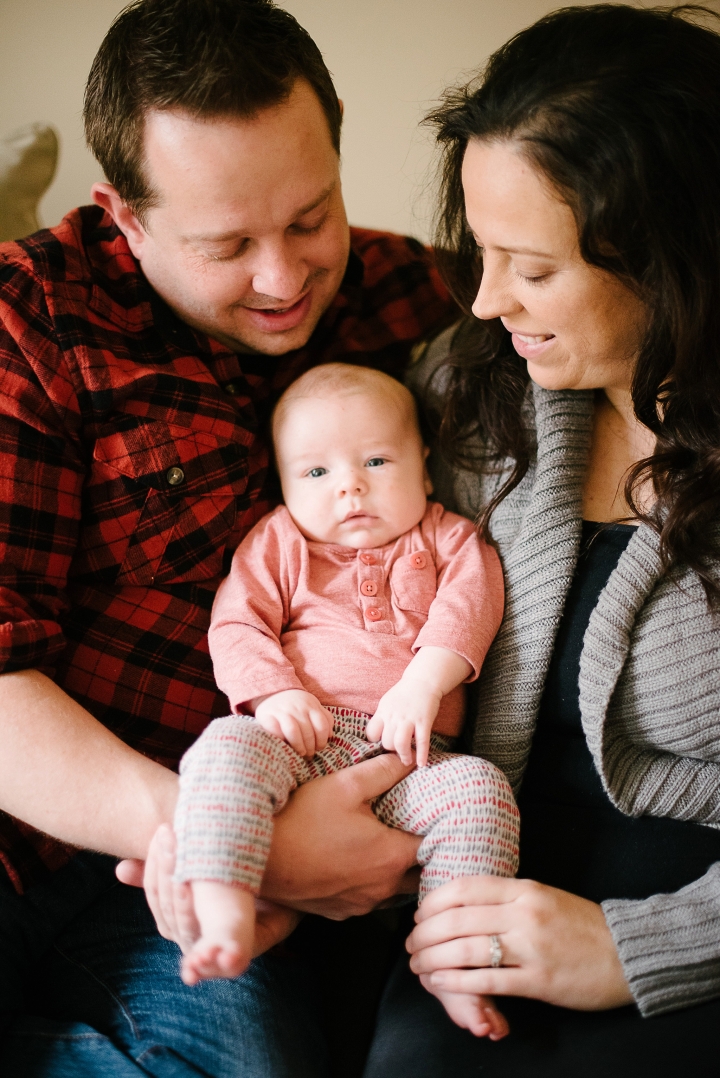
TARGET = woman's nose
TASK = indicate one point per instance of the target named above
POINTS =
(495, 295)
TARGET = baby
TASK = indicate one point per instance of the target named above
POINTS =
(350, 620)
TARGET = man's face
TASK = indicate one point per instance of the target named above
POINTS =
(249, 239)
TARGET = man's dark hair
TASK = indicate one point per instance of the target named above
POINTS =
(619, 108)
(208, 58)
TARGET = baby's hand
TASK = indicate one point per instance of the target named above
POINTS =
(297, 717)
(407, 711)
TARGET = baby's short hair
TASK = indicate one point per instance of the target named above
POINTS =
(331, 379)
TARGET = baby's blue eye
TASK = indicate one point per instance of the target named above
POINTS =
(375, 462)
(315, 473)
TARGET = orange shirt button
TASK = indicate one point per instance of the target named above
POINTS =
(418, 561)
(368, 587)
(368, 559)
(373, 614)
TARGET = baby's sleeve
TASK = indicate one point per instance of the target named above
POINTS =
(248, 615)
(468, 608)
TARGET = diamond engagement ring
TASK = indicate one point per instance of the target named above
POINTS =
(496, 952)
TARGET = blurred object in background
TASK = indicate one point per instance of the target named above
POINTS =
(28, 159)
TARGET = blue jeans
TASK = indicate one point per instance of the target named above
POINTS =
(88, 989)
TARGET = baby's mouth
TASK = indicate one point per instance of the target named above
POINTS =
(358, 515)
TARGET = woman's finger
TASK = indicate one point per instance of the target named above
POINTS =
(469, 951)
(514, 981)
(471, 891)
(459, 922)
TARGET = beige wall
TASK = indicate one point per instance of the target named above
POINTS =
(390, 60)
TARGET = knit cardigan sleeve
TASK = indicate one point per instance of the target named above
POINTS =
(669, 945)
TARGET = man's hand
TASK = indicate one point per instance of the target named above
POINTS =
(406, 713)
(297, 717)
(172, 905)
(330, 855)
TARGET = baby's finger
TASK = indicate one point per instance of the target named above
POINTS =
(309, 734)
(403, 742)
(293, 734)
(272, 726)
(374, 730)
(322, 723)
(422, 745)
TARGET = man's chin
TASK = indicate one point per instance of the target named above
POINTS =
(269, 343)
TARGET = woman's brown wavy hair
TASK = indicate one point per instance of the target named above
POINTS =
(619, 107)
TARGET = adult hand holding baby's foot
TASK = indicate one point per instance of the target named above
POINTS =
(297, 717)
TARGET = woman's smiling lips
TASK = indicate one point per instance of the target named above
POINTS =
(529, 345)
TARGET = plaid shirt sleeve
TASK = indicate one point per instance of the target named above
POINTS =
(41, 478)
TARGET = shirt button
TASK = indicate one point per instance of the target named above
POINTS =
(373, 614)
(175, 476)
(418, 561)
(231, 388)
(368, 587)
(368, 559)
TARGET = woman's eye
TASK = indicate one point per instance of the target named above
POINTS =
(315, 473)
(375, 462)
(529, 279)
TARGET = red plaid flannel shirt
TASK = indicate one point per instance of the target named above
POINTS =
(133, 460)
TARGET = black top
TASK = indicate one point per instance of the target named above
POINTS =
(572, 836)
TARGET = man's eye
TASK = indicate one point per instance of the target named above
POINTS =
(375, 462)
(315, 473)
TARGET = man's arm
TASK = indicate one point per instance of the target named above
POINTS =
(64, 773)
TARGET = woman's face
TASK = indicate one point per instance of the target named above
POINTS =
(577, 326)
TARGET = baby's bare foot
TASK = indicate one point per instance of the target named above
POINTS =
(227, 930)
(475, 1013)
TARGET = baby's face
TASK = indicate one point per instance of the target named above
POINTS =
(352, 468)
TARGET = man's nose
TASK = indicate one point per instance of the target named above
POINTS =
(279, 273)
(495, 296)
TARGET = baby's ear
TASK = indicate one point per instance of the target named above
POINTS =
(427, 481)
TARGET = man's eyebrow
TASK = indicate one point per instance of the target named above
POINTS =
(220, 237)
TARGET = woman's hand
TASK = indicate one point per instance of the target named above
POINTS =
(556, 947)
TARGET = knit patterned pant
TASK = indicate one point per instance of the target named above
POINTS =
(236, 777)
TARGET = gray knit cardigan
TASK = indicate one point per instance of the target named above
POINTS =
(649, 681)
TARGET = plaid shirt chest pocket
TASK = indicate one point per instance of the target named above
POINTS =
(413, 580)
(165, 500)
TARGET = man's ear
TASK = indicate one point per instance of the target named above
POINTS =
(426, 474)
(105, 195)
